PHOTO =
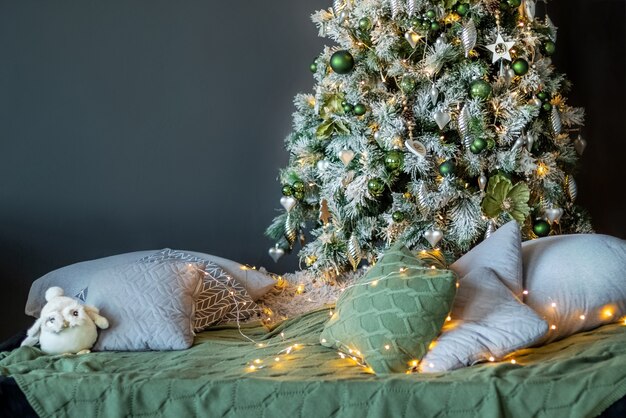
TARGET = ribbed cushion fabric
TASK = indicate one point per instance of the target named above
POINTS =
(391, 315)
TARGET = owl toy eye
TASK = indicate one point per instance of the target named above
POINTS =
(51, 319)
(75, 313)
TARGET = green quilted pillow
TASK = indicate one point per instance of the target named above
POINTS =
(390, 316)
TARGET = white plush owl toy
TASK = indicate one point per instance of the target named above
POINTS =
(65, 326)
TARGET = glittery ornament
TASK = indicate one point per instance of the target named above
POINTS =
(572, 188)
(411, 7)
(290, 230)
(500, 49)
(555, 121)
(395, 8)
(468, 37)
(422, 201)
(325, 215)
(354, 252)
(491, 228)
(463, 121)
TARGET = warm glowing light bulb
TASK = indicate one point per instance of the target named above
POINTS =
(277, 359)
(449, 318)
(257, 361)
(553, 305)
(374, 283)
(513, 361)
(492, 359)
(414, 363)
(260, 345)
(525, 292)
(553, 327)
(252, 367)
(323, 340)
(387, 346)
(608, 313)
(582, 317)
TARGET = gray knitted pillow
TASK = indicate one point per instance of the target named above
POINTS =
(150, 306)
(222, 298)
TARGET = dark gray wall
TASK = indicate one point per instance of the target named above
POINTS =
(129, 125)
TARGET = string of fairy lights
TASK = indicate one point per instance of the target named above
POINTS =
(353, 354)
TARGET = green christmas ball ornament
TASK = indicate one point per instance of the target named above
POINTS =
(342, 62)
(394, 160)
(431, 14)
(478, 146)
(480, 89)
(543, 96)
(298, 195)
(360, 109)
(547, 106)
(298, 186)
(365, 23)
(549, 48)
(446, 168)
(407, 84)
(287, 190)
(435, 26)
(376, 187)
(416, 22)
(313, 67)
(462, 9)
(425, 24)
(347, 107)
(398, 216)
(541, 228)
(514, 3)
(520, 66)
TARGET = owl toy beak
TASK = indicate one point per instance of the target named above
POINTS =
(65, 324)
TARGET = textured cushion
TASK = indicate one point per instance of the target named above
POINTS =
(583, 275)
(222, 299)
(149, 306)
(501, 253)
(391, 315)
(487, 320)
(255, 282)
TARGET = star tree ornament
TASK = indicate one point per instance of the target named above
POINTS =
(500, 49)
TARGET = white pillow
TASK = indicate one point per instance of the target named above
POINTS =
(501, 252)
(487, 321)
(576, 282)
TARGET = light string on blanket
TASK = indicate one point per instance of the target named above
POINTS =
(352, 353)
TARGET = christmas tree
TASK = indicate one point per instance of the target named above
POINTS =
(432, 122)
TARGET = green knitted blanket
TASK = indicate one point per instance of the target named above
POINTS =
(577, 377)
